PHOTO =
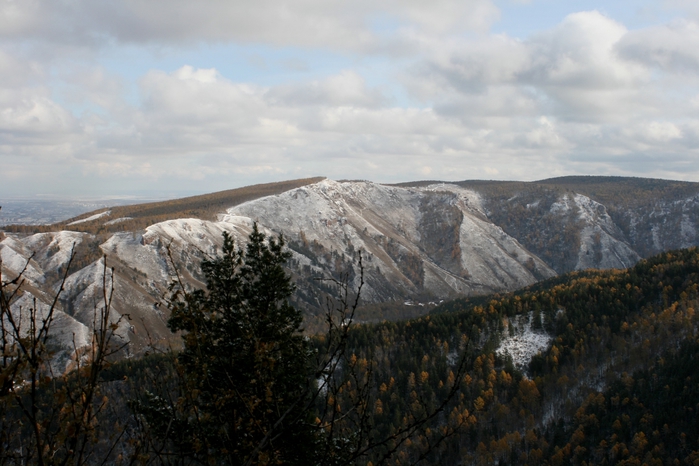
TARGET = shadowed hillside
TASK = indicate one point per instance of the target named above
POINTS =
(570, 222)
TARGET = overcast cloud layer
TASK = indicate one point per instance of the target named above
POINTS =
(175, 97)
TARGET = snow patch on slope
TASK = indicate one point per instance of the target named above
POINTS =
(91, 218)
(118, 220)
(562, 206)
(329, 211)
(524, 344)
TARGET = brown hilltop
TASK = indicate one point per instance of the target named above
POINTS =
(139, 216)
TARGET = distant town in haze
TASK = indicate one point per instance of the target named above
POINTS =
(48, 211)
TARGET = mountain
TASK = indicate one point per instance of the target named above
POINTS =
(650, 216)
(423, 241)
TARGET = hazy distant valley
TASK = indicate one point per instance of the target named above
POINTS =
(50, 211)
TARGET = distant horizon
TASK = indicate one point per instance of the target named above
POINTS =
(145, 196)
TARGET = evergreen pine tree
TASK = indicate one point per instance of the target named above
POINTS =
(245, 365)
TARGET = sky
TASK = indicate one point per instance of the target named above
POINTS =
(165, 98)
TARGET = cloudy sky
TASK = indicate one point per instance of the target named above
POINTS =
(175, 97)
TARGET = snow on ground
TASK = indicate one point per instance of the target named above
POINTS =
(135, 252)
(365, 215)
(90, 278)
(562, 205)
(524, 344)
(470, 199)
(91, 218)
(15, 259)
(62, 245)
(49, 251)
(331, 212)
(601, 234)
(191, 232)
(66, 332)
(118, 220)
(190, 239)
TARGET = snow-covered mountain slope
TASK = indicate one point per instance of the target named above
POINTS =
(434, 239)
(666, 224)
(601, 242)
(427, 241)
(38, 258)
(567, 230)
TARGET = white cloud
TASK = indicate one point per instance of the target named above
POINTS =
(470, 66)
(580, 54)
(544, 136)
(194, 124)
(29, 118)
(671, 47)
(19, 17)
(16, 72)
(571, 70)
(344, 89)
(661, 131)
(96, 89)
(585, 96)
(691, 7)
(590, 96)
(316, 23)
(444, 16)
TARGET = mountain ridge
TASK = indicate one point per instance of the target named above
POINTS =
(424, 242)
